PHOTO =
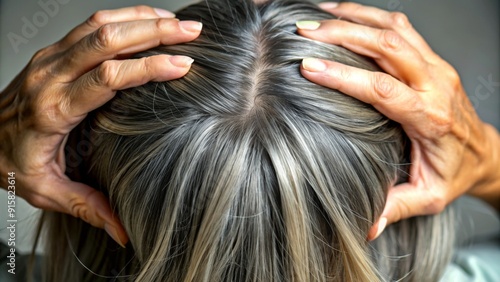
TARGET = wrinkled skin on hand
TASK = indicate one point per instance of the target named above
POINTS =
(453, 151)
(65, 81)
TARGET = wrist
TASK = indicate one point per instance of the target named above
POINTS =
(487, 187)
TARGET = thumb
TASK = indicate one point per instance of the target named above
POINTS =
(404, 201)
(90, 205)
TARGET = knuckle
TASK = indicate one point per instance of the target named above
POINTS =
(453, 76)
(344, 74)
(340, 76)
(143, 10)
(106, 36)
(441, 117)
(106, 73)
(159, 24)
(437, 204)
(165, 24)
(390, 41)
(383, 86)
(149, 69)
(400, 20)
(36, 74)
(51, 111)
(98, 19)
(147, 64)
(442, 120)
(42, 53)
(80, 210)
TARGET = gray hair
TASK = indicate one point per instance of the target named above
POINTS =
(243, 170)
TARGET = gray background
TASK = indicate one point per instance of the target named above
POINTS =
(465, 33)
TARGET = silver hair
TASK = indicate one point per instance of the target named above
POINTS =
(243, 170)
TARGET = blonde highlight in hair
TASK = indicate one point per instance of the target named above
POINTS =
(243, 170)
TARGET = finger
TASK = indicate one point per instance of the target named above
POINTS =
(103, 17)
(381, 19)
(84, 202)
(98, 86)
(408, 200)
(388, 48)
(401, 204)
(377, 229)
(93, 207)
(404, 201)
(122, 38)
(388, 95)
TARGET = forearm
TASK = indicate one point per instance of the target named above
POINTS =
(488, 187)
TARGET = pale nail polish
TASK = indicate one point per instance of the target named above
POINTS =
(328, 5)
(164, 13)
(181, 61)
(313, 65)
(191, 26)
(113, 234)
(308, 25)
(381, 226)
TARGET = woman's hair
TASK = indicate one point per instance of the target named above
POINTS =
(243, 170)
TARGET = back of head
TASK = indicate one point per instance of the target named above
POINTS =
(243, 170)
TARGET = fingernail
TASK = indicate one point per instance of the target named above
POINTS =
(181, 61)
(308, 25)
(164, 13)
(328, 5)
(381, 226)
(113, 234)
(313, 65)
(191, 26)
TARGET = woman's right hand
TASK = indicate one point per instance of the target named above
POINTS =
(65, 81)
(453, 151)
